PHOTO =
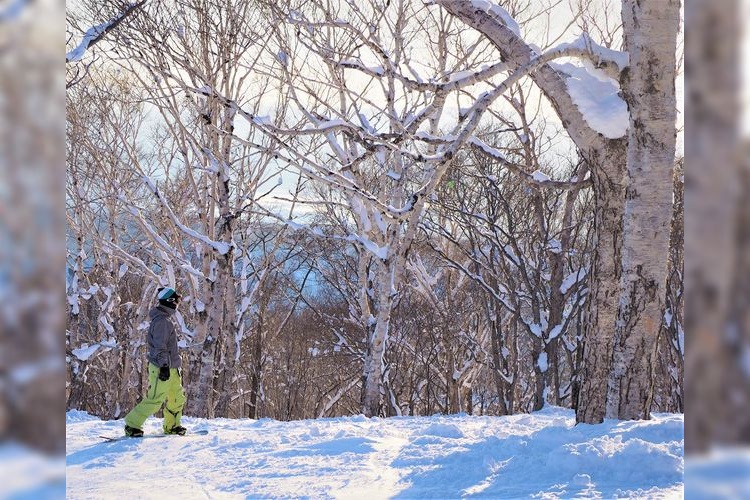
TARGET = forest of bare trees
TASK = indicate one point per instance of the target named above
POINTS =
(381, 207)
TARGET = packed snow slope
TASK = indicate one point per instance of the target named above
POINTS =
(543, 455)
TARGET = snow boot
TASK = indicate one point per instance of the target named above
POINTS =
(133, 432)
(177, 429)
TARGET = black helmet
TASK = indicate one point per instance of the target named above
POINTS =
(168, 297)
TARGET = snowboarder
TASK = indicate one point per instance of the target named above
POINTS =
(164, 377)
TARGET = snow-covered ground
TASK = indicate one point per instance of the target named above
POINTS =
(543, 455)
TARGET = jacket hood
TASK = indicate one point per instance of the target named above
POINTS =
(160, 311)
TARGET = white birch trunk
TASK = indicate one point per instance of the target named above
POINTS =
(373, 371)
(603, 284)
(649, 89)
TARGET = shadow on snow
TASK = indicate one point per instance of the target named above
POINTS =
(586, 460)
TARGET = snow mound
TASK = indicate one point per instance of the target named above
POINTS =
(74, 416)
(444, 430)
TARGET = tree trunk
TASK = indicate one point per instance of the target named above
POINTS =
(671, 355)
(540, 373)
(257, 366)
(373, 371)
(576, 363)
(607, 173)
(451, 382)
(557, 260)
(498, 359)
(226, 387)
(736, 389)
(512, 343)
(202, 369)
(649, 89)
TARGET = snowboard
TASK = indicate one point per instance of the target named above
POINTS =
(112, 439)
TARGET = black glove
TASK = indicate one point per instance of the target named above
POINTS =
(164, 373)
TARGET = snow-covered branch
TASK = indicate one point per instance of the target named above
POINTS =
(220, 247)
(96, 33)
(448, 83)
(536, 178)
(159, 240)
(519, 54)
(610, 62)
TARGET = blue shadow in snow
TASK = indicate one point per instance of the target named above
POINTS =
(330, 448)
(550, 460)
(100, 454)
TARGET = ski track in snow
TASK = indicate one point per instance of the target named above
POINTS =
(541, 455)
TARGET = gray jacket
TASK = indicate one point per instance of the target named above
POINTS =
(162, 338)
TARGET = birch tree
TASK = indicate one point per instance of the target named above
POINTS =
(103, 314)
(274, 260)
(460, 328)
(205, 182)
(650, 32)
(645, 72)
(669, 394)
(369, 128)
(406, 143)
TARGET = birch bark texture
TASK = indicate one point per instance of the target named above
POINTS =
(650, 31)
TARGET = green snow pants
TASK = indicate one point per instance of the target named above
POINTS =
(159, 391)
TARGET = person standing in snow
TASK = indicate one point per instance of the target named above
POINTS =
(164, 378)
